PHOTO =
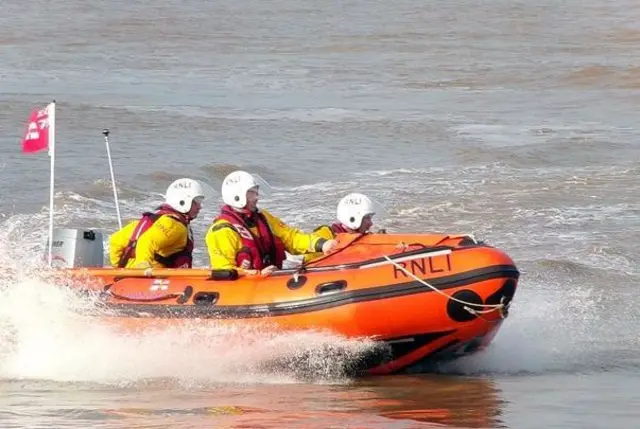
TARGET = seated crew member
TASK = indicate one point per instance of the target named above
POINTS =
(161, 239)
(354, 214)
(250, 240)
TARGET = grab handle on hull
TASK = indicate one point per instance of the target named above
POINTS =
(331, 287)
(181, 297)
(206, 298)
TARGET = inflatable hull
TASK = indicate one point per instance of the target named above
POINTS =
(424, 298)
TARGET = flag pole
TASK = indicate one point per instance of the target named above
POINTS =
(52, 155)
(105, 132)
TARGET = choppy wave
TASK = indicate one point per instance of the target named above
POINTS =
(328, 114)
(606, 76)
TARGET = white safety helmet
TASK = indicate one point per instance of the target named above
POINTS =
(181, 193)
(354, 207)
(236, 185)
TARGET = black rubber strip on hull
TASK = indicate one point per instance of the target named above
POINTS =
(312, 304)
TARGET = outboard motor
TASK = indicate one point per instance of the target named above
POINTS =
(73, 248)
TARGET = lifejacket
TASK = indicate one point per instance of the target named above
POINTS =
(256, 252)
(336, 228)
(180, 259)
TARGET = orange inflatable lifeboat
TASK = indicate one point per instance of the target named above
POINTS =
(423, 297)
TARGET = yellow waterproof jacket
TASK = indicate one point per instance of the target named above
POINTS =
(166, 237)
(224, 243)
(325, 232)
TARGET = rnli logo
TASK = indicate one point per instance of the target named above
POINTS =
(244, 232)
(353, 201)
(236, 179)
(182, 185)
(40, 124)
(159, 284)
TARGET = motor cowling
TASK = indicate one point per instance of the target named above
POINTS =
(74, 248)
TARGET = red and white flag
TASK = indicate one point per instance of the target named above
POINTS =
(40, 132)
